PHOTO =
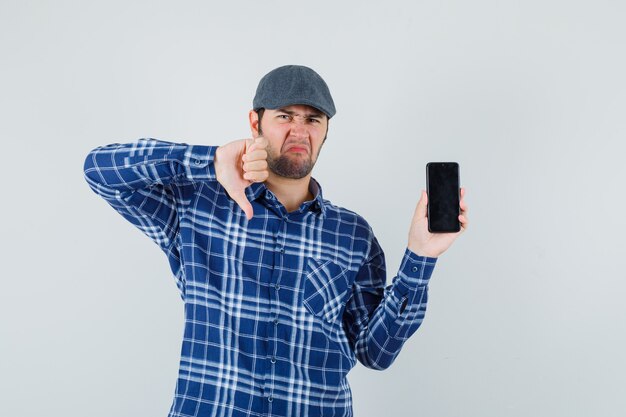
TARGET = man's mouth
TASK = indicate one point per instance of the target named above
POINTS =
(297, 148)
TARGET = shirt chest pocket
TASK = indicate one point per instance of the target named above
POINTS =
(326, 289)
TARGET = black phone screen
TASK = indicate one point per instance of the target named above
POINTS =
(442, 186)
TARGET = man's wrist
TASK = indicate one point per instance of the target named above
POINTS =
(421, 252)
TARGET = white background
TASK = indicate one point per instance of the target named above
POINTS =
(526, 310)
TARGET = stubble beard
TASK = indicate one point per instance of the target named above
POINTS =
(290, 166)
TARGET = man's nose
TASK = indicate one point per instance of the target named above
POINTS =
(299, 127)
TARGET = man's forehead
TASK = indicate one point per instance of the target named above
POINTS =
(304, 109)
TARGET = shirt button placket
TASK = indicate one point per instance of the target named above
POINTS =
(280, 252)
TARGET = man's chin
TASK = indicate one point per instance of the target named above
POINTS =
(288, 168)
(291, 175)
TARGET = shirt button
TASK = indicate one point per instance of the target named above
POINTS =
(197, 162)
(273, 360)
(270, 398)
(277, 287)
(276, 321)
(414, 269)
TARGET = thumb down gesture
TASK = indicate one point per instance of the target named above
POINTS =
(238, 164)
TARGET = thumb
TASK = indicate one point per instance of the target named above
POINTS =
(420, 210)
(241, 199)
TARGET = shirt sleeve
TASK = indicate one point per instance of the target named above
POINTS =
(150, 182)
(378, 319)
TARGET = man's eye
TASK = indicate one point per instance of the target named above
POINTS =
(283, 116)
(314, 120)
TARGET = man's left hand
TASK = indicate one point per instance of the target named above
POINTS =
(424, 243)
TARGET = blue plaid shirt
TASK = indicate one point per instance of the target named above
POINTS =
(279, 308)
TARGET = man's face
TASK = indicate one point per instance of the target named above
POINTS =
(295, 136)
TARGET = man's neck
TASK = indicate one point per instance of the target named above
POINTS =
(289, 191)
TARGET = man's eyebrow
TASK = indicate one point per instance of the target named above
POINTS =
(291, 113)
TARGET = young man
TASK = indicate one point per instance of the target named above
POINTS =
(283, 291)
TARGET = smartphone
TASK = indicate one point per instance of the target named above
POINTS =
(443, 189)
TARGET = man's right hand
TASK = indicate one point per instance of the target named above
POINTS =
(238, 164)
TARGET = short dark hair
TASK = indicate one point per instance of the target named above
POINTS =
(260, 114)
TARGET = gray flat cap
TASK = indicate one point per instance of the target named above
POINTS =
(293, 84)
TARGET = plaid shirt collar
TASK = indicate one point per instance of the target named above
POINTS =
(259, 189)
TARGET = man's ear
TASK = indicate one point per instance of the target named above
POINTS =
(253, 117)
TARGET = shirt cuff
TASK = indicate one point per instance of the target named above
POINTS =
(415, 271)
(199, 162)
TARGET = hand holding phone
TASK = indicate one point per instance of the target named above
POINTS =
(440, 216)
